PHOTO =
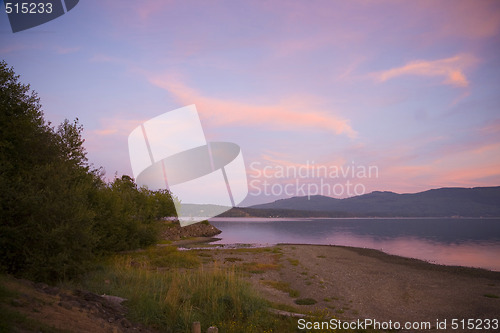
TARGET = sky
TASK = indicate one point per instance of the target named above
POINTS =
(408, 90)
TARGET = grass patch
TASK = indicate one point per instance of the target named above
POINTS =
(284, 307)
(305, 301)
(167, 256)
(171, 300)
(293, 262)
(233, 259)
(277, 250)
(321, 256)
(282, 286)
(258, 268)
(491, 296)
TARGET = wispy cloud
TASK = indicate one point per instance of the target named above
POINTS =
(282, 160)
(280, 165)
(147, 8)
(450, 69)
(137, 14)
(115, 126)
(475, 164)
(18, 47)
(290, 113)
(105, 132)
(462, 18)
(493, 127)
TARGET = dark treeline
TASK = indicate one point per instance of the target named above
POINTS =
(57, 213)
(277, 212)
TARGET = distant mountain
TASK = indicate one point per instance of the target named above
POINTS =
(443, 202)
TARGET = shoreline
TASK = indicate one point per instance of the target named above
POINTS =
(470, 243)
(402, 259)
(243, 219)
(191, 242)
(356, 283)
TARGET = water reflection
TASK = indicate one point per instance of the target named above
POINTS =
(464, 242)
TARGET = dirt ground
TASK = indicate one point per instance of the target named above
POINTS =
(43, 308)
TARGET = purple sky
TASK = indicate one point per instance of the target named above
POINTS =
(410, 87)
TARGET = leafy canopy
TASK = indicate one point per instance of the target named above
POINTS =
(56, 212)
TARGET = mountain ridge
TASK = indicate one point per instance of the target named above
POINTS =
(441, 202)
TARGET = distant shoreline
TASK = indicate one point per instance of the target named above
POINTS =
(195, 242)
(229, 219)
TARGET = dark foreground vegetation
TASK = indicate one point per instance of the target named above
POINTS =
(57, 213)
(165, 290)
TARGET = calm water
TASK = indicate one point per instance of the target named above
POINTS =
(463, 242)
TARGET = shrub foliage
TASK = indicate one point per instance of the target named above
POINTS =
(57, 213)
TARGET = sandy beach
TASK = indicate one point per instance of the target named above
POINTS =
(351, 283)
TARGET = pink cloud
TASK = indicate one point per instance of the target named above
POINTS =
(470, 176)
(274, 158)
(450, 69)
(469, 167)
(404, 170)
(492, 147)
(114, 127)
(493, 127)
(136, 13)
(107, 144)
(105, 132)
(277, 163)
(462, 18)
(18, 47)
(290, 113)
(147, 8)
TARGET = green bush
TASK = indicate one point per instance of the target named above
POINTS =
(56, 212)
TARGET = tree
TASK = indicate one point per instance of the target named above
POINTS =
(46, 226)
(56, 212)
(128, 216)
